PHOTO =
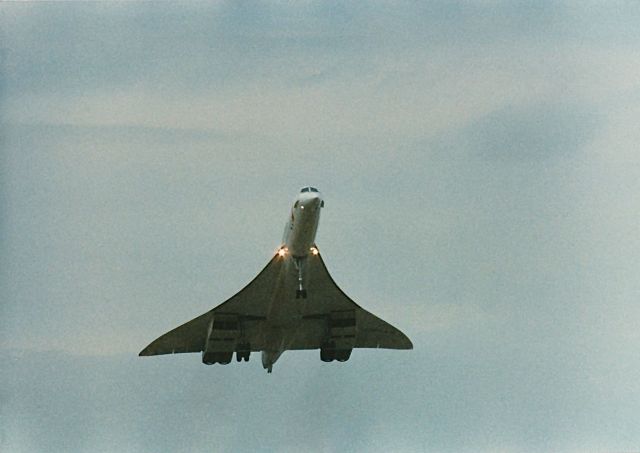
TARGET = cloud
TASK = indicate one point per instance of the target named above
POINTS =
(300, 71)
(531, 133)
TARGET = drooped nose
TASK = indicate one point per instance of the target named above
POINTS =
(311, 201)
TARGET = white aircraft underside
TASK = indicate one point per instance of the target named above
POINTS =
(292, 304)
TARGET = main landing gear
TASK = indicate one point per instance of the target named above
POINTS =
(329, 353)
(223, 358)
(243, 352)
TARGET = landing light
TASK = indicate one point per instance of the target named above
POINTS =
(282, 251)
(314, 250)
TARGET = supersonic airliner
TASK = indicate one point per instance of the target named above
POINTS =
(292, 304)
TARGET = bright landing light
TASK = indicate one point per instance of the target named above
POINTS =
(282, 251)
(314, 250)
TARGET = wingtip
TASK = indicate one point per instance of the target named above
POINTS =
(407, 343)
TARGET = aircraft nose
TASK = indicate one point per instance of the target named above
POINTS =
(312, 201)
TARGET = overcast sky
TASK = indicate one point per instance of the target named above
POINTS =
(481, 173)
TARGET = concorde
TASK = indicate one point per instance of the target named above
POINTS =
(292, 304)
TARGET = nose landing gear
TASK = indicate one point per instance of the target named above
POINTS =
(301, 292)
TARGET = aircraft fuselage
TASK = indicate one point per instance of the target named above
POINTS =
(302, 225)
(297, 243)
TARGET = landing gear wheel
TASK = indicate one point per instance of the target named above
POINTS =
(243, 352)
(300, 292)
(225, 358)
(328, 352)
(343, 355)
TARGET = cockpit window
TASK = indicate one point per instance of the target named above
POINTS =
(313, 189)
(306, 189)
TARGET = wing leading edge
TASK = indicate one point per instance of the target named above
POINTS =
(249, 305)
(338, 314)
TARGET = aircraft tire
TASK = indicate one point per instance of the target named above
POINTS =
(328, 353)
(343, 355)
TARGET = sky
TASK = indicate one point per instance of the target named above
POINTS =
(480, 170)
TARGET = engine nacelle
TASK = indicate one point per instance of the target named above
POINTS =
(222, 338)
(341, 333)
